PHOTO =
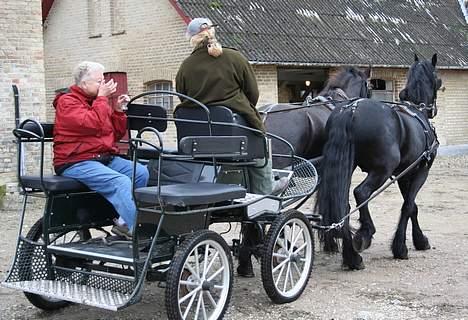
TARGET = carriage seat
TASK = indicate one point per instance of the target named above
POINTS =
(256, 147)
(33, 131)
(53, 183)
(190, 194)
(196, 193)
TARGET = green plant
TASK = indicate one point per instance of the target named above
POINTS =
(2, 194)
(215, 4)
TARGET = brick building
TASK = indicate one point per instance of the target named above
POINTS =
(294, 47)
(289, 43)
(21, 63)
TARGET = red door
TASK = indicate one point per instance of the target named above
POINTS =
(121, 79)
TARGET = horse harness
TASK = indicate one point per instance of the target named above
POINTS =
(429, 130)
(428, 127)
(326, 101)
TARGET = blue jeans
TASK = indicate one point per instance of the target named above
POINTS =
(113, 182)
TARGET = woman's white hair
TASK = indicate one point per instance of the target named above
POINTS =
(83, 70)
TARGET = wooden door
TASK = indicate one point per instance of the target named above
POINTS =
(121, 79)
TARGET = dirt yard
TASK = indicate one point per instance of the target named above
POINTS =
(431, 284)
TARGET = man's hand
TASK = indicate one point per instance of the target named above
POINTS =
(122, 101)
(107, 88)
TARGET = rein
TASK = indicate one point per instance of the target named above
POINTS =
(311, 102)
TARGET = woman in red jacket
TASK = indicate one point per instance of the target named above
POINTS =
(85, 134)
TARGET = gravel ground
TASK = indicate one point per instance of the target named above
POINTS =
(431, 284)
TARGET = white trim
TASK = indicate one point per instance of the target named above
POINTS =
(90, 254)
(464, 9)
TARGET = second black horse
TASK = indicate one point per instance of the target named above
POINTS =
(304, 126)
(383, 140)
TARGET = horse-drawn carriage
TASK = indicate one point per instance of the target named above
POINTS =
(67, 255)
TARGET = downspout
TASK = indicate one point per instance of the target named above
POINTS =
(464, 9)
(17, 123)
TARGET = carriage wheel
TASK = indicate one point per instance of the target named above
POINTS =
(287, 257)
(199, 280)
(35, 234)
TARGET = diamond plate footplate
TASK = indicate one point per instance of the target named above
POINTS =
(105, 299)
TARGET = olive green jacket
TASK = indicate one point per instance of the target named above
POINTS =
(227, 80)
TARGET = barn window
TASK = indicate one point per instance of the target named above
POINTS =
(117, 8)
(94, 18)
(163, 100)
(382, 89)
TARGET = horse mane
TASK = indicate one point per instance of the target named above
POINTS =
(341, 79)
(420, 82)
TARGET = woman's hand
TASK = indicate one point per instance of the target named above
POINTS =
(107, 88)
(121, 104)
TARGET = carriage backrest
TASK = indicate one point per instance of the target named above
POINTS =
(47, 128)
(256, 146)
(146, 115)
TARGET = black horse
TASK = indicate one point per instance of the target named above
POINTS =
(383, 140)
(304, 126)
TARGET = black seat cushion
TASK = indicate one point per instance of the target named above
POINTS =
(53, 183)
(151, 153)
(189, 194)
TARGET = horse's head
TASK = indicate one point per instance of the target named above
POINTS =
(348, 83)
(422, 85)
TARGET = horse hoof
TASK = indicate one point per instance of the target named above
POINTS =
(426, 247)
(351, 267)
(401, 256)
(360, 244)
(422, 245)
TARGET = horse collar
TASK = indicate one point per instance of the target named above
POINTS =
(352, 105)
(342, 94)
(327, 101)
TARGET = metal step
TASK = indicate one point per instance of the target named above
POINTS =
(104, 299)
(258, 204)
(121, 253)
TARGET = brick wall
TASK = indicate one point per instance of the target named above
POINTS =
(21, 63)
(151, 48)
(146, 39)
(452, 119)
(267, 79)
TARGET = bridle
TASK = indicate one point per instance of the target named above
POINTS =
(328, 101)
(431, 109)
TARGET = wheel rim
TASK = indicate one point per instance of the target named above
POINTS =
(292, 257)
(204, 282)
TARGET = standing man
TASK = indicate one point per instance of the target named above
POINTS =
(85, 134)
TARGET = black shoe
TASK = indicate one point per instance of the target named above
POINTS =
(121, 231)
(245, 268)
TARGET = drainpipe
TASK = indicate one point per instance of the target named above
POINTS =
(17, 123)
(463, 5)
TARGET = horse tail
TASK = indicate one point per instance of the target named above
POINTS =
(336, 171)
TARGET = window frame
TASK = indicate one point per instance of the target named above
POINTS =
(164, 100)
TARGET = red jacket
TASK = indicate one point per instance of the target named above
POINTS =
(85, 127)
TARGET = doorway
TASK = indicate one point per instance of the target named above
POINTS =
(295, 84)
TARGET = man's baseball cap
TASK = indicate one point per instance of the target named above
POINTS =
(197, 25)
